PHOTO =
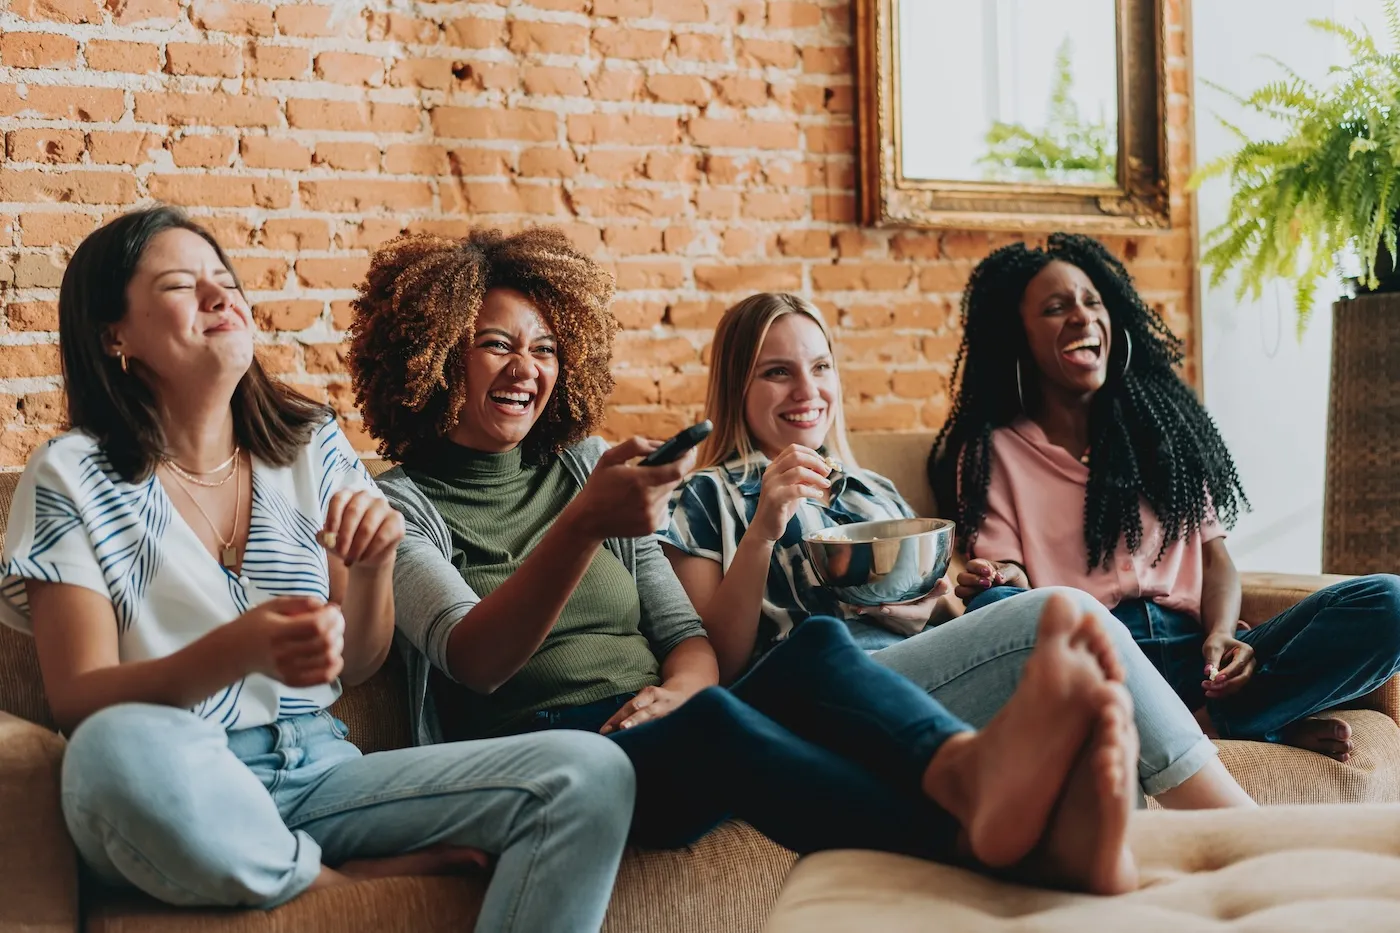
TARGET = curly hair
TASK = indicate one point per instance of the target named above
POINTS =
(1149, 436)
(415, 320)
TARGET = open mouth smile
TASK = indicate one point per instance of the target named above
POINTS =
(513, 401)
(804, 418)
(1084, 352)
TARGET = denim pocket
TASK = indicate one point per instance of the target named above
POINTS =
(339, 729)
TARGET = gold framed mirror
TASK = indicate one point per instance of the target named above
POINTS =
(1019, 115)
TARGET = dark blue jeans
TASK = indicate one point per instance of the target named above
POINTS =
(817, 747)
(1338, 644)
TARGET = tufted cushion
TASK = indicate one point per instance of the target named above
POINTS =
(1273, 870)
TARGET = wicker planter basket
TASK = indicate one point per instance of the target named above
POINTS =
(1361, 511)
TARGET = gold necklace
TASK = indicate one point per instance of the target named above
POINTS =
(228, 552)
(193, 477)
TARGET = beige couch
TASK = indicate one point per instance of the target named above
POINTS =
(726, 883)
(1313, 869)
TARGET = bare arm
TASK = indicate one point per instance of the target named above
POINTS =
(730, 603)
(501, 633)
(1221, 593)
(75, 634)
(362, 533)
(690, 665)
(293, 639)
(367, 601)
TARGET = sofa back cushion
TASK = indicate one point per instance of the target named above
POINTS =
(901, 459)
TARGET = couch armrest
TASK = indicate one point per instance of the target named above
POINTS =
(38, 867)
(1268, 594)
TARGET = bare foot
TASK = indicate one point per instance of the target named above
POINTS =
(1001, 783)
(1085, 846)
(434, 860)
(1330, 737)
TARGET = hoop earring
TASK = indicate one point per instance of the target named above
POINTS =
(1019, 394)
(126, 367)
(1128, 358)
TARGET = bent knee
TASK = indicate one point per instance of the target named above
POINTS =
(591, 770)
(819, 629)
(131, 761)
(1083, 601)
(1382, 593)
(121, 744)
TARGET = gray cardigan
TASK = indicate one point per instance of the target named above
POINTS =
(430, 596)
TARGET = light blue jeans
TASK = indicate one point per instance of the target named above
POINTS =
(158, 798)
(972, 665)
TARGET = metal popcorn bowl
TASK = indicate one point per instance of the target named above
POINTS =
(873, 563)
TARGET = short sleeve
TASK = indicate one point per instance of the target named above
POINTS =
(47, 535)
(338, 466)
(430, 595)
(694, 527)
(999, 537)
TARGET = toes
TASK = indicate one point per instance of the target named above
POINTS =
(1101, 646)
(1115, 697)
(1058, 619)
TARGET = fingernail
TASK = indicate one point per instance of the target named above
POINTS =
(885, 610)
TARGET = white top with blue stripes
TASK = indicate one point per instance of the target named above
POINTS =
(75, 520)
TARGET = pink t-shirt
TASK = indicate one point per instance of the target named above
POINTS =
(1035, 517)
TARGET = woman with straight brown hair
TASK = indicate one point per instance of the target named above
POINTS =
(778, 467)
(202, 561)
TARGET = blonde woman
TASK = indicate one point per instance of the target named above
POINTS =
(778, 466)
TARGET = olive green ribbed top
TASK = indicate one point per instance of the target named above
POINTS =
(497, 509)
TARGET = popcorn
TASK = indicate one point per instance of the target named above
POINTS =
(326, 539)
(833, 464)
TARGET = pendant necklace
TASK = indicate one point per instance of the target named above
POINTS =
(228, 550)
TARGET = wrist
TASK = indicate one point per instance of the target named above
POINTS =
(237, 646)
(365, 570)
(756, 537)
(1011, 574)
(1221, 630)
(688, 684)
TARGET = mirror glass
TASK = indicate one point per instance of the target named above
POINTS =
(1008, 91)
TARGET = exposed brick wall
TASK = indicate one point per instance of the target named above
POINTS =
(703, 149)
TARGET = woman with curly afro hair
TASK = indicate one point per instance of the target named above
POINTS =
(1075, 455)
(537, 597)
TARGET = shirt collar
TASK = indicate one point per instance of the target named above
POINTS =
(1057, 457)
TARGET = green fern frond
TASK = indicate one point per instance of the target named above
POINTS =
(1327, 179)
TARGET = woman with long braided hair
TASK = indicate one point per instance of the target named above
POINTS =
(1075, 455)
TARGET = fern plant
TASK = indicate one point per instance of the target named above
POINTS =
(1068, 149)
(1327, 185)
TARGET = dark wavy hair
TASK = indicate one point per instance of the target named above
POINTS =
(1150, 437)
(270, 420)
(415, 319)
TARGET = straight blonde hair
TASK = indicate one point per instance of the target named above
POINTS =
(734, 357)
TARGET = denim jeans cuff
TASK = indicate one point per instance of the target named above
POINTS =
(305, 870)
(1182, 767)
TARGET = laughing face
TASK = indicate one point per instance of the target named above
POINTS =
(1068, 331)
(511, 369)
(794, 389)
(187, 322)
